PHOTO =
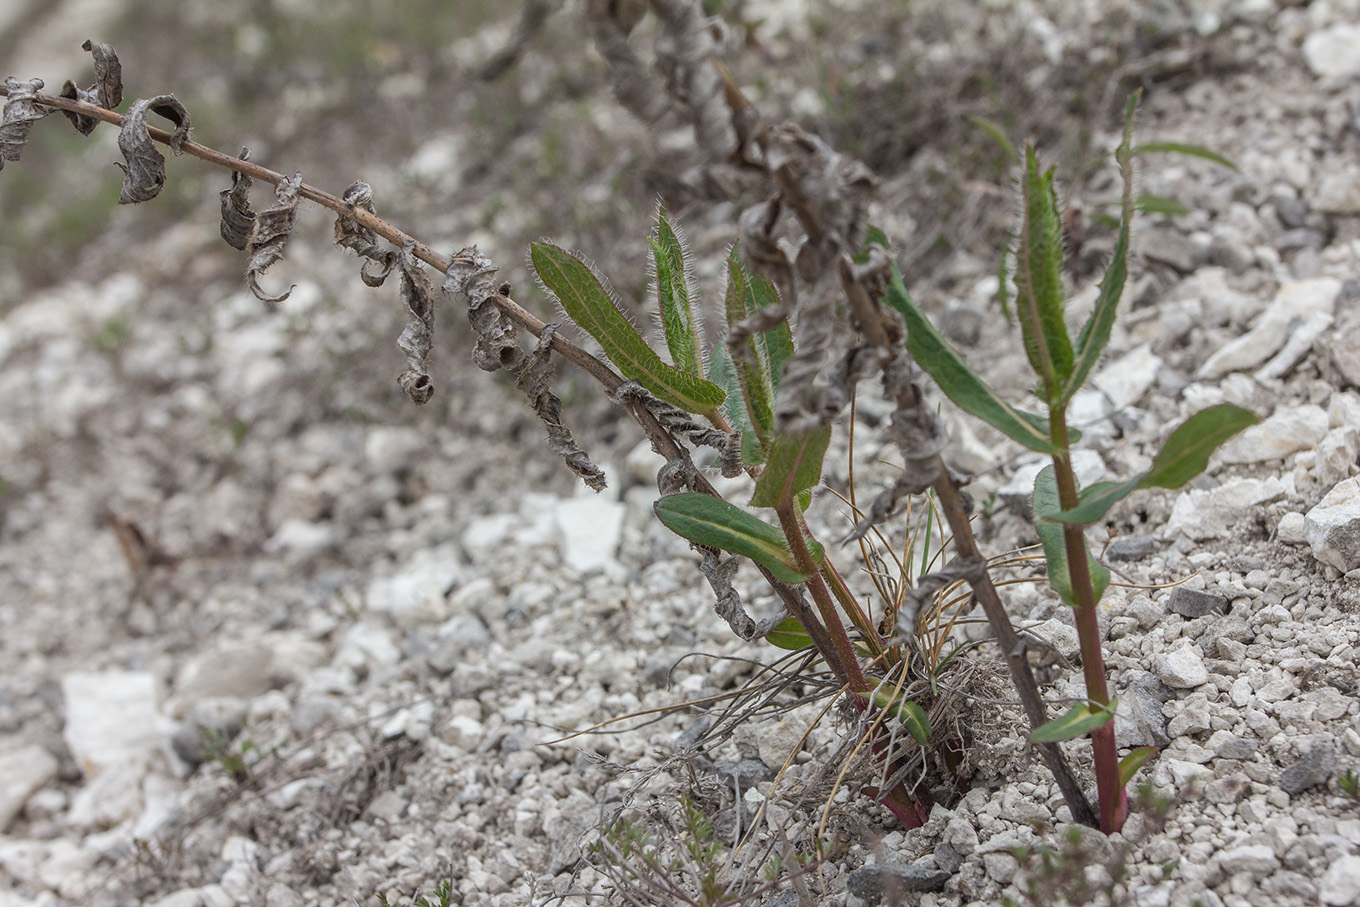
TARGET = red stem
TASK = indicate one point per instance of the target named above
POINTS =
(1113, 798)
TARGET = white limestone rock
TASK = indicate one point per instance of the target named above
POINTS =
(1333, 53)
(112, 718)
(26, 770)
(1293, 305)
(1288, 430)
(1333, 526)
(1182, 667)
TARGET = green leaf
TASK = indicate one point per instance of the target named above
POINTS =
(789, 634)
(722, 373)
(753, 367)
(912, 716)
(1081, 719)
(1130, 764)
(679, 320)
(589, 304)
(794, 466)
(969, 392)
(714, 523)
(1038, 277)
(999, 136)
(1095, 334)
(1184, 455)
(1046, 509)
(1157, 204)
(1190, 150)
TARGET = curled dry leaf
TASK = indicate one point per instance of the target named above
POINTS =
(144, 173)
(20, 112)
(472, 275)
(534, 378)
(238, 218)
(350, 234)
(272, 229)
(84, 125)
(108, 74)
(418, 337)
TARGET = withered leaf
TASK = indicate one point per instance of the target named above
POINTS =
(418, 337)
(20, 113)
(472, 275)
(108, 74)
(144, 174)
(272, 229)
(238, 218)
(360, 240)
(84, 125)
(534, 377)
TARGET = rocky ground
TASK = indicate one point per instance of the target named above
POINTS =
(214, 516)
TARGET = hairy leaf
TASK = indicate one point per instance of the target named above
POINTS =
(238, 218)
(1187, 149)
(417, 338)
(722, 373)
(1038, 277)
(21, 112)
(144, 173)
(794, 466)
(108, 73)
(973, 395)
(679, 320)
(589, 304)
(1184, 455)
(1095, 334)
(714, 523)
(789, 634)
(1130, 764)
(272, 229)
(1046, 508)
(752, 360)
(1078, 721)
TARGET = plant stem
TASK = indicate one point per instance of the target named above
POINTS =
(1113, 799)
(1011, 648)
(792, 525)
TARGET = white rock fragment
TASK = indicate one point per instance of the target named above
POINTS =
(1300, 341)
(1333, 53)
(1203, 514)
(1130, 376)
(588, 531)
(416, 593)
(1062, 637)
(112, 718)
(1293, 305)
(1293, 529)
(1255, 860)
(1288, 430)
(1340, 884)
(26, 770)
(1182, 667)
(1333, 526)
(231, 670)
(301, 539)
